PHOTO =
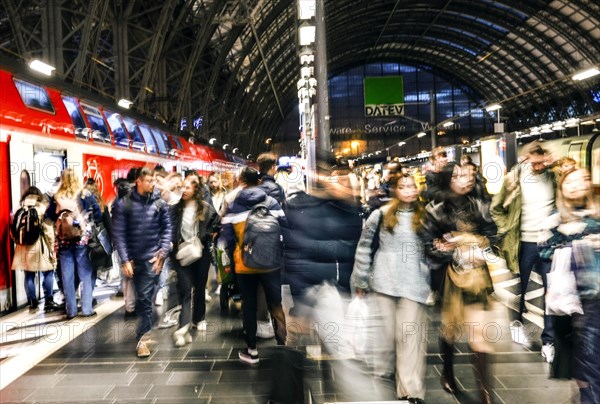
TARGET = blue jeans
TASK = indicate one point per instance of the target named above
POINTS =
(75, 259)
(529, 258)
(145, 281)
(48, 285)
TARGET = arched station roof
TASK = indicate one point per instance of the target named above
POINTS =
(235, 62)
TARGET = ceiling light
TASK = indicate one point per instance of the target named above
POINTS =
(124, 103)
(212, 140)
(572, 123)
(307, 34)
(225, 146)
(586, 74)
(41, 67)
(493, 107)
(448, 124)
(306, 9)
(401, 143)
(234, 150)
(421, 134)
(588, 122)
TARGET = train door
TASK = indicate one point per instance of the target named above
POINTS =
(35, 165)
(48, 167)
(5, 243)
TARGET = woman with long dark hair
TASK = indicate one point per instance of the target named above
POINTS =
(195, 224)
(399, 283)
(457, 232)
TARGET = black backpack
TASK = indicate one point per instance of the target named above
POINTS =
(27, 226)
(261, 247)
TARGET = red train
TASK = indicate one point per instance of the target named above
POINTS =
(45, 128)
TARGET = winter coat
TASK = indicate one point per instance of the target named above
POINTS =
(211, 224)
(506, 211)
(445, 217)
(40, 255)
(397, 268)
(141, 227)
(234, 223)
(272, 188)
(321, 236)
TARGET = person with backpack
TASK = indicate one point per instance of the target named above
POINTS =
(195, 223)
(100, 245)
(74, 211)
(34, 241)
(251, 232)
(142, 233)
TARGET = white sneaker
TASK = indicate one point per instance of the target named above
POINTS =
(59, 298)
(517, 332)
(201, 326)
(264, 329)
(207, 296)
(548, 352)
(158, 301)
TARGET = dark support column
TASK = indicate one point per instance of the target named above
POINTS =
(324, 141)
(511, 149)
(432, 119)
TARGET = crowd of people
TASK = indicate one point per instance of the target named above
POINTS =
(410, 248)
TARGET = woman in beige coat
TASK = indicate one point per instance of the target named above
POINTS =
(39, 256)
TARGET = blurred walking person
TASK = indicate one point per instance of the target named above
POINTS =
(398, 280)
(457, 231)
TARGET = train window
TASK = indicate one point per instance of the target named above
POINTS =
(162, 149)
(134, 132)
(162, 136)
(34, 96)
(177, 142)
(81, 129)
(96, 121)
(114, 121)
(150, 142)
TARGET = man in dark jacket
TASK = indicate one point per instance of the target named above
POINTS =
(142, 233)
(267, 164)
(321, 236)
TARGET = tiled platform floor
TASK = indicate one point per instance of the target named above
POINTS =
(100, 366)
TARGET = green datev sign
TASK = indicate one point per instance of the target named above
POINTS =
(384, 96)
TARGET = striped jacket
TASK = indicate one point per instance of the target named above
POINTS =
(234, 223)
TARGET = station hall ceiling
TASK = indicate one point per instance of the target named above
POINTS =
(235, 63)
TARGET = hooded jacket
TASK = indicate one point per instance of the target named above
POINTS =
(141, 226)
(320, 236)
(234, 223)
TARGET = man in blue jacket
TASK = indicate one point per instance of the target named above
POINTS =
(142, 236)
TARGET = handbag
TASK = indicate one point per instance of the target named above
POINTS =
(562, 298)
(189, 251)
(466, 272)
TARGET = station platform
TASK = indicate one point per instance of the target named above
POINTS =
(47, 359)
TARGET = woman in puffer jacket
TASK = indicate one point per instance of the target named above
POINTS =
(37, 257)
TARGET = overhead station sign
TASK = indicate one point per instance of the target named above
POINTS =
(384, 96)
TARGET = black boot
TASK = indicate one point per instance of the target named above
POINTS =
(448, 381)
(481, 370)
